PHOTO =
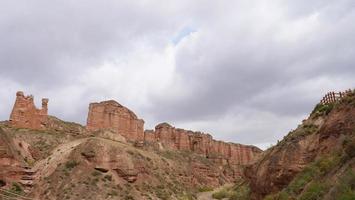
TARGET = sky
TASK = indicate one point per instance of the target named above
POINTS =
(245, 71)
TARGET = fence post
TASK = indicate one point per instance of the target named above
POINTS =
(333, 94)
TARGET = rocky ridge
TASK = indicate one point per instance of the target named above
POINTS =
(63, 160)
(25, 114)
(113, 116)
(201, 143)
(43, 157)
(313, 160)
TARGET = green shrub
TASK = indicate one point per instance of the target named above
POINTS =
(349, 147)
(94, 181)
(223, 193)
(327, 163)
(299, 182)
(113, 193)
(71, 164)
(349, 99)
(187, 196)
(283, 196)
(322, 109)
(279, 196)
(240, 193)
(162, 193)
(347, 195)
(108, 177)
(96, 173)
(314, 191)
(128, 197)
(205, 189)
(310, 128)
(345, 189)
(16, 188)
(311, 183)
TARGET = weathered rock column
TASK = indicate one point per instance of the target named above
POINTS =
(25, 114)
(112, 115)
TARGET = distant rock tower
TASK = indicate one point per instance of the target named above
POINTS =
(25, 114)
(112, 115)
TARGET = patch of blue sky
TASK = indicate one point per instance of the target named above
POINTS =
(185, 32)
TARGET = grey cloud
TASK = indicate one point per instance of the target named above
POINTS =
(231, 69)
(234, 75)
(45, 43)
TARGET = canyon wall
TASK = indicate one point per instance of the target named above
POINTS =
(119, 119)
(201, 143)
(11, 163)
(323, 134)
(112, 115)
(25, 114)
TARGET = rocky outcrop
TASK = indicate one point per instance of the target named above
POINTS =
(119, 119)
(201, 143)
(11, 161)
(279, 166)
(149, 136)
(112, 115)
(322, 133)
(25, 114)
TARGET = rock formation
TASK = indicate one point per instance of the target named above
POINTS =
(323, 133)
(201, 143)
(12, 153)
(112, 115)
(25, 114)
(119, 119)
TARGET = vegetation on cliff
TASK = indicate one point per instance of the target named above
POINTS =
(314, 161)
(65, 161)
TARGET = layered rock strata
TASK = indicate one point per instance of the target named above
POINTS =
(323, 133)
(201, 143)
(25, 114)
(112, 115)
(119, 119)
(11, 161)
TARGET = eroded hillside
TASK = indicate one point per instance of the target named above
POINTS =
(42, 157)
(58, 165)
(63, 160)
(315, 161)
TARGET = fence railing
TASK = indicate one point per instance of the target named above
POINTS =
(332, 97)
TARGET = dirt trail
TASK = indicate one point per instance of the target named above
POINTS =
(208, 195)
(205, 195)
(59, 155)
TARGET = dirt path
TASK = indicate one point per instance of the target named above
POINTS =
(59, 155)
(205, 195)
(208, 195)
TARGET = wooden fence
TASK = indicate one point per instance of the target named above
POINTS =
(332, 97)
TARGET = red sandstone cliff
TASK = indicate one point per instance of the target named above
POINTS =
(201, 143)
(111, 115)
(25, 114)
(324, 133)
(212, 163)
(114, 116)
(13, 157)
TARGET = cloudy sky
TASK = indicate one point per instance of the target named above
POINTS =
(246, 71)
